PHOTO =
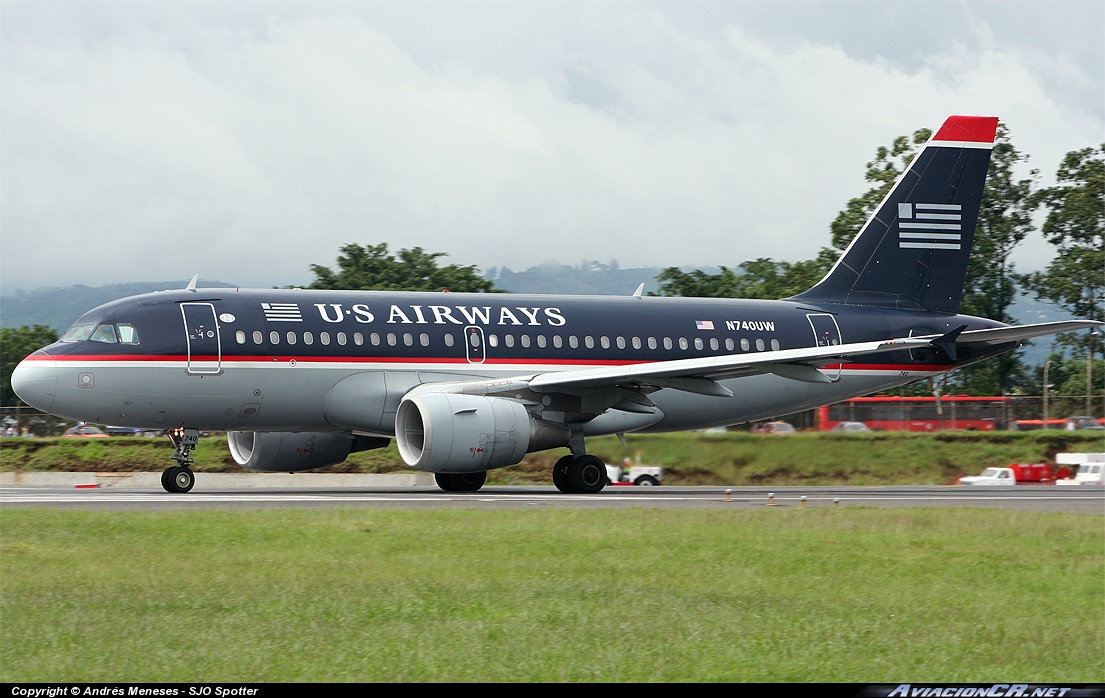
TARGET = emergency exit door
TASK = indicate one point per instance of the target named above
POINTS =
(202, 332)
(825, 331)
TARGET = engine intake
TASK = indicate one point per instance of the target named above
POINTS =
(457, 433)
(286, 452)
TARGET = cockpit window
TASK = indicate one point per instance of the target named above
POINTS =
(118, 333)
(105, 334)
(77, 333)
(128, 334)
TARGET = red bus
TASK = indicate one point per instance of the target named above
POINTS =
(888, 413)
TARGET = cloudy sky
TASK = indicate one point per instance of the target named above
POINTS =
(154, 140)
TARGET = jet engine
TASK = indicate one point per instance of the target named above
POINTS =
(286, 452)
(457, 433)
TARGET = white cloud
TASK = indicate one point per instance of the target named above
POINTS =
(246, 150)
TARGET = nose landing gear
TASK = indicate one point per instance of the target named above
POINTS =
(180, 478)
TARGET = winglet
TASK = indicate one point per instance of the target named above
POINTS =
(640, 289)
(192, 284)
(946, 342)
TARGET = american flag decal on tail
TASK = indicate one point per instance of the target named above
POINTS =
(282, 312)
(930, 226)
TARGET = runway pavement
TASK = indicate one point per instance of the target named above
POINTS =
(1082, 500)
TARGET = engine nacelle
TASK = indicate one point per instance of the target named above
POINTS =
(457, 433)
(286, 452)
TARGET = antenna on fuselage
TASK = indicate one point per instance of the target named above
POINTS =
(640, 289)
(192, 284)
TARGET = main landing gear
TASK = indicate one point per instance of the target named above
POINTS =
(180, 478)
(460, 482)
(579, 475)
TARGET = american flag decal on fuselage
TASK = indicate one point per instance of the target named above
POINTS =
(930, 226)
(282, 312)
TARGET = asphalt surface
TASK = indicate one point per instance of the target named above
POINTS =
(1078, 499)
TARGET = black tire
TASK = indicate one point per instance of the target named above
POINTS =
(183, 480)
(560, 474)
(587, 475)
(167, 480)
(646, 481)
(461, 482)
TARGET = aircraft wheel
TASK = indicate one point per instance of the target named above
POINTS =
(183, 479)
(167, 479)
(461, 482)
(560, 474)
(646, 481)
(587, 475)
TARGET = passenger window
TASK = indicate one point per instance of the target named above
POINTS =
(557, 341)
(525, 340)
(541, 341)
(391, 339)
(424, 339)
(493, 340)
(258, 337)
(759, 345)
(744, 345)
(408, 339)
(508, 340)
(448, 339)
(621, 342)
(729, 346)
(572, 341)
(667, 343)
(358, 338)
(589, 342)
(604, 342)
(341, 338)
(374, 339)
(128, 334)
(636, 342)
(105, 334)
(324, 337)
(774, 345)
(274, 337)
(308, 338)
(698, 343)
(651, 342)
(683, 344)
(240, 337)
(713, 344)
(291, 338)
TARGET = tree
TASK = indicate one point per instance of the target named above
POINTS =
(372, 268)
(15, 345)
(1075, 225)
(883, 171)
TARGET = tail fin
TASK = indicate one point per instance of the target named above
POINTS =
(912, 253)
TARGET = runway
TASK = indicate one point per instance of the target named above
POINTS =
(1081, 500)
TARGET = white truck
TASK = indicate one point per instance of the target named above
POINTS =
(1091, 468)
(1017, 474)
(630, 474)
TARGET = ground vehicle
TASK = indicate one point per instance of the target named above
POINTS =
(640, 475)
(772, 428)
(1017, 474)
(892, 413)
(1091, 468)
(851, 427)
(1082, 422)
(85, 432)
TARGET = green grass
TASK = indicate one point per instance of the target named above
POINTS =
(690, 458)
(855, 595)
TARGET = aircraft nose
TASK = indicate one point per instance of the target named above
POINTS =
(35, 380)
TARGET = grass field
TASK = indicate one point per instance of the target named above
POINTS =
(691, 458)
(855, 595)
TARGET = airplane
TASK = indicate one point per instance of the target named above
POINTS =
(465, 383)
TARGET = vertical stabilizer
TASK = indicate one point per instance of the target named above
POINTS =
(912, 253)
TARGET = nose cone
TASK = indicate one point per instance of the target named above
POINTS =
(35, 381)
